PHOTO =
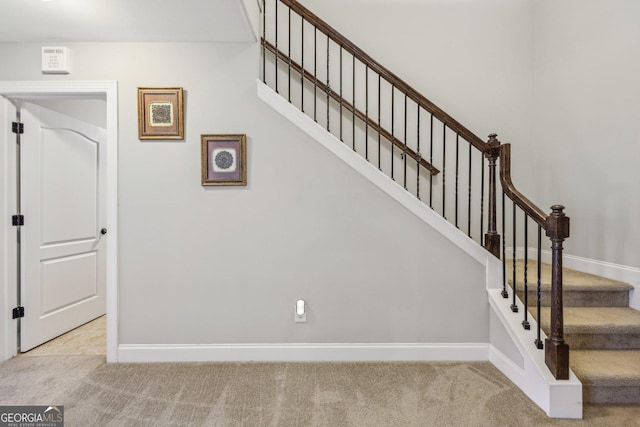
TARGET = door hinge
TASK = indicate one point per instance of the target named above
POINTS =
(18, 312)
(17, 127)
(17, 220)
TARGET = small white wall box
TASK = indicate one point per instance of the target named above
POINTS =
(55, 60)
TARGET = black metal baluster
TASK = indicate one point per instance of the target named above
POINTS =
(341, 137)
(366, 112)
(538, 341)
(315, 73)
(505, 294)
(264, 41)
(302, 64)
(276, 53)
(457, 173)
(481, 197)
(393, 133)
(469, 203)
(418, 155)
(404, 152)
(431, 161)
(289, 57)
(514, 306)
(379, 119)
(328, 88)
(525, 322)
(353, 100)
(444, 170)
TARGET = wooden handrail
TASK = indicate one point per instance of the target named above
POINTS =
(347, 106)
(510, 190)
(399, 84)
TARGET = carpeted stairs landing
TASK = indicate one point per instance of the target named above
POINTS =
(602, 331)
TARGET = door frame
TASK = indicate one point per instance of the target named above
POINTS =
(62, 90)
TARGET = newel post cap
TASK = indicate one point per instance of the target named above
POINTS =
(494, 146)
(557, 223)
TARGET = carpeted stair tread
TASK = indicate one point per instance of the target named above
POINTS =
(602, 331)
(578, 298)
(572, 280)
(596, 320)
(607, 368)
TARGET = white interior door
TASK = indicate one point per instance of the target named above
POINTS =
(63, 203)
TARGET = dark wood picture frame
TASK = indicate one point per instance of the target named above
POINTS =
(224, 159)
(160, 113)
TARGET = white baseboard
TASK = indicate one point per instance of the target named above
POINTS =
(623, 273)
(321, 352)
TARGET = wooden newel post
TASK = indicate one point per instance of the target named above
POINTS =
(556, 350)
(492, 238)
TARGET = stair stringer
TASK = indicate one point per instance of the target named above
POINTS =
(560, 399)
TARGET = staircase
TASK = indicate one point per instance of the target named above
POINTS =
(316, 72)
(601, 329)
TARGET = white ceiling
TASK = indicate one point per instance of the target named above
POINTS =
(124, 21)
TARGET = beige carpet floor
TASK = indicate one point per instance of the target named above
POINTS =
(95, 393)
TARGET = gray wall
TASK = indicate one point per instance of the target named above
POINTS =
(556, 79)
(88, 110)
(225, 265)
(471, 58)
(587, 122)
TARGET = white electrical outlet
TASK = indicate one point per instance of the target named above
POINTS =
(300, 314)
